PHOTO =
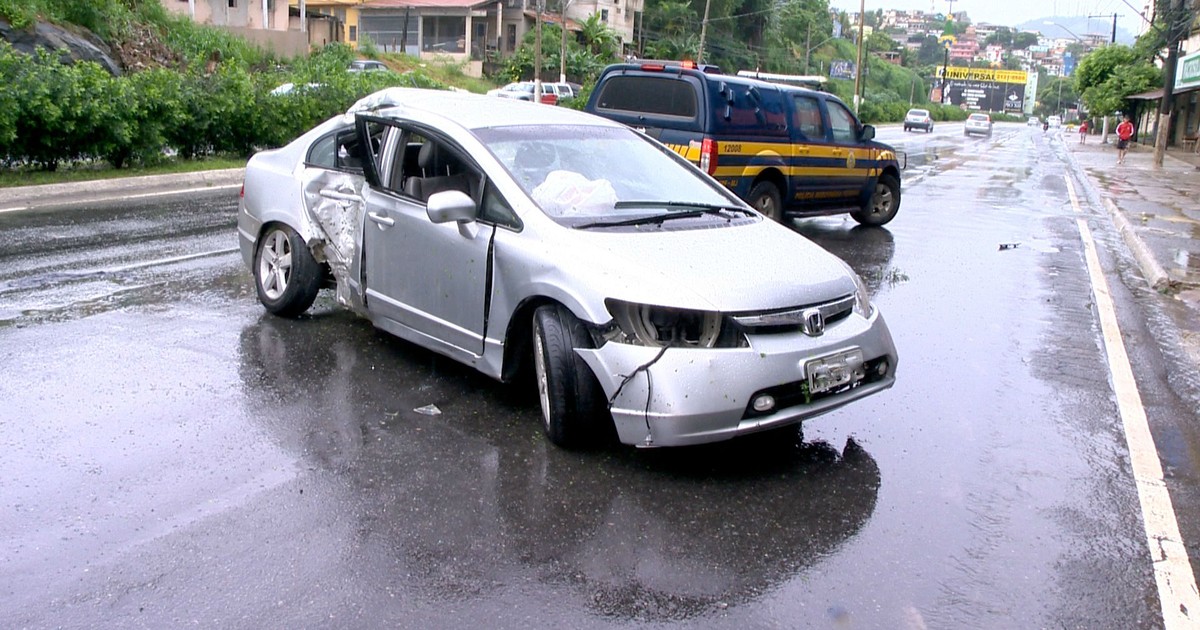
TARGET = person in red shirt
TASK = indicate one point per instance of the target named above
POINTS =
(1124, 137)
(1083, 129)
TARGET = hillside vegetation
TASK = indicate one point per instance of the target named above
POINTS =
(197, 90)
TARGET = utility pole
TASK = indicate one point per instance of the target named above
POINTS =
(807, 46)
(862, 5)
(1114, 29)
(703, 32)
(537, 57)
(1177, 25)
(562, 53)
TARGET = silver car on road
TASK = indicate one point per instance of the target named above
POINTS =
(648, 300)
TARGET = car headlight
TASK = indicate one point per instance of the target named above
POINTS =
(862, 299)
(657, 326)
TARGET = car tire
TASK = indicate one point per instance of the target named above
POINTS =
(764, 197)
(905, 128)
(286, 275)
(929, 129)
(883, 204)
(571, 399)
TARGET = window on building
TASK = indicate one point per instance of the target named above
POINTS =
(232, 4)
(603, 15)
(510, 39)
(353, 33)
(444, 33)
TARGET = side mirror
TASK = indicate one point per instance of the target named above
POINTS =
(450, 205)
(868, 132)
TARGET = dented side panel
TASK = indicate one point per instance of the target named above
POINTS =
(333, 202)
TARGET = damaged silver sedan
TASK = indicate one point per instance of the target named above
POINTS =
(644, 296)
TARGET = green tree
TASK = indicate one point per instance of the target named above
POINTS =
(599, 39)
(1108, 75)
(1022, 41)
(1003, 36)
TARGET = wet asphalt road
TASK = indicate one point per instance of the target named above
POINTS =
(174, 456)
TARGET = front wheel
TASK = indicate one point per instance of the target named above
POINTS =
(764, 197)
(571, 399)
(883, 204)
(286, 275)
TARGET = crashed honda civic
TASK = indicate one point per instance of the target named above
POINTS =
(644, 297)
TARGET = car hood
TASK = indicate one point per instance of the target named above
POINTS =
(740, 268)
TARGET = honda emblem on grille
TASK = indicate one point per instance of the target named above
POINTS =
(814, 322)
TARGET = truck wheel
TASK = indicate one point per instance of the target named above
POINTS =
(764, 197)
(882, 205)
(570, 396)
(286, 275)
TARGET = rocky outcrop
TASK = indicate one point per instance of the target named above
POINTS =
(70, 46)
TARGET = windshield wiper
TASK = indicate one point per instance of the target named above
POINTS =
(699, 210)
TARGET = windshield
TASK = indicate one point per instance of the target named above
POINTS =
(979, 117)
(917, 112)
(581, 175)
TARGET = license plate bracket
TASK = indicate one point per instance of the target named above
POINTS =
(834, 371)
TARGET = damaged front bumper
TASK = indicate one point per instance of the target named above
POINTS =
(698, 395)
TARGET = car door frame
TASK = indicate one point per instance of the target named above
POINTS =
(851, 159)
(442, 307)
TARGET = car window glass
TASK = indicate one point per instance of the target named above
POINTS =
(753, 110)
(495, 209)
(649, 95)
(842, 123)
(557, 168)
(423, 165)
(338, 150)
(808, 118)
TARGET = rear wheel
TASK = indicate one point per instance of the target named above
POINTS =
(883, 204)
(286, 275)
(765, 198)
(571, 399)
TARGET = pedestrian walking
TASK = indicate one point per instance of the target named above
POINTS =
(1124, 137)
(1083, 129)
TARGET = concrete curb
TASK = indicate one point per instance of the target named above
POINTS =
(29, 196)
(1152, 271)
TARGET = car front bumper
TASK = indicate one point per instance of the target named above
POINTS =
(697, 395)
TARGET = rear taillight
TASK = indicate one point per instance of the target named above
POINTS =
(708, 156)
(653, 66)
(242, 192)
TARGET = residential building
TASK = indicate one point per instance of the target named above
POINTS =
(249, 14)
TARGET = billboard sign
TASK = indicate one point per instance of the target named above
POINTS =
(985, 89)
(1187, 73)
(841, 70)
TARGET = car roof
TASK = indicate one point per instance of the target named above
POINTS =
(711, 77)
(472, 111)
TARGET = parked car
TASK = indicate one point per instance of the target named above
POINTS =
(1054, 121)
(367, 65)
(788, 151)
(523, 91)
(285, 89)
(565, 91)
(978, 124)
(491, 232)
(918, 119)
(1033, 121)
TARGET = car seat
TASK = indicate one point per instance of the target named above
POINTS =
(438, 172)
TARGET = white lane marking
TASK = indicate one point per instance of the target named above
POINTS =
(1177, 592)
(118, 195)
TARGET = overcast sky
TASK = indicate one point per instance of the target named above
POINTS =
(1013, 12)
